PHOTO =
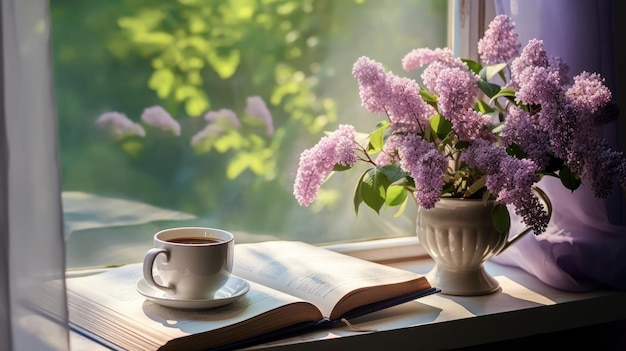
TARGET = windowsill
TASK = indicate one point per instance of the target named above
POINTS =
(523, 307)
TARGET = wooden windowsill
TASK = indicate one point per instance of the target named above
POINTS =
(523, 307)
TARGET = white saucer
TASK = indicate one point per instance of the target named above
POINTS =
(234, 289)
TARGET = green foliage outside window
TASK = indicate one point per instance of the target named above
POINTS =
(194, 56)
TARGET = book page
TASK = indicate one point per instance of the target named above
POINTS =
(315, 274)
(108, 305)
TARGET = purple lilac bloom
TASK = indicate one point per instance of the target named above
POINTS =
(398, 97)
(589, 94)
(317, 162)
(424, 56)
(558, 119)
(389, 153)
(457, 91)
(520, 176)
(522, 129)
(407, 110)
(533, 55)
(470, 125)
(208, 132)
(157, 116)
(255, 106)
(484, 155)
(372, 80)
(560, 66)
(431, 75)
(602, 166)
(589, 100)
(229, 115)
(511, 179)
(538, 85)
(426, 166)
(499, 44)
(119, 124)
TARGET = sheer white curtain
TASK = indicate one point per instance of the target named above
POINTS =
(585, 244)
(33, 310)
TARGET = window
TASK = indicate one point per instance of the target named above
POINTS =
(195, 60)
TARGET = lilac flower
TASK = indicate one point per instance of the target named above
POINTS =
(499, 44)
(256, 107)
(485, 156)
(470, 125)
(519, 176)
(157, 116)
(511, 179)
(407, 111)
(316, 163)
(602, 166)
(560, 66)
(398, 97)
(228, 115)
(457, 92)
(373, 84)
(533, 55)
(558, 119)
(522, 129)
(424, 56)
(588, 94)
(210, 131)
(425, 165)
(389, 153)
(119, 124)
(538, 85)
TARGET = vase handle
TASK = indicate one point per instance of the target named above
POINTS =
(544, 197)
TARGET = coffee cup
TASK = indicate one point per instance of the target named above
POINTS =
(192, 263)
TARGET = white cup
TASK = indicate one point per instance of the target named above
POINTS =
(192, 262)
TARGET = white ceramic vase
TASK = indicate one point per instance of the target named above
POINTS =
(458, 234)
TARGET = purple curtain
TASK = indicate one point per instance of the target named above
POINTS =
(585, 244)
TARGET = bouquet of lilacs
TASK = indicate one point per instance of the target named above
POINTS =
(488, 130)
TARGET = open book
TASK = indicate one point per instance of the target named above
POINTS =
(294, 286)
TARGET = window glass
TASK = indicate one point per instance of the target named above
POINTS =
(191, 112)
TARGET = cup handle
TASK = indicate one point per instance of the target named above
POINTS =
(148, 263)
(546, 200)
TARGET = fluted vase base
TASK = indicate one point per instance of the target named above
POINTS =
(471, 282)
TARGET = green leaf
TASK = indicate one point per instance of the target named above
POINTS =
(489, 89)
(504, 92)
(339, 168)
(362, 139)
(473, 65)
(477, 185)
(358, 199)
(377, 139)
(516, 151)
(427, 96)
(224, 63)
(461, 145)
(571, 180)
(490, 71)
(396, 195)
(441, 126)
(162, 81)
(555, 164)
(500, 218)
(373, 188)
(483, 107)
(396, 175)
(401, 208)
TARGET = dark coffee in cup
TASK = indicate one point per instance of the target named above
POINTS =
(195, 240)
